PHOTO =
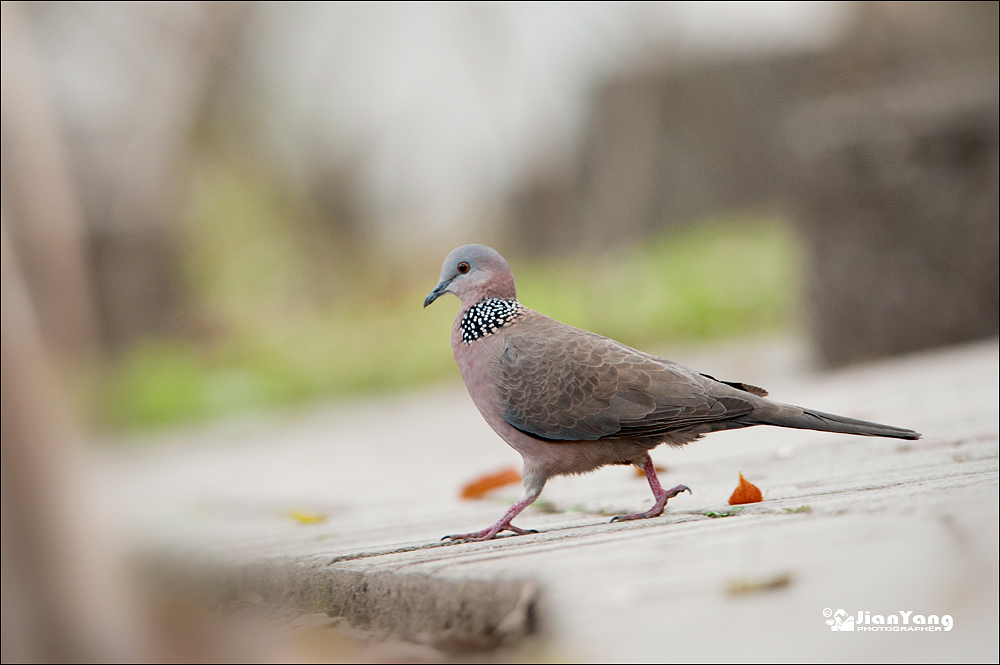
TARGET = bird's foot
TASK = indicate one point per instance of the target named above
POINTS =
(488, 533)
(502, 524)
(657, 508)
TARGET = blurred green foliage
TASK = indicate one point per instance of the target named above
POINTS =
(283, 315)
(723, 278)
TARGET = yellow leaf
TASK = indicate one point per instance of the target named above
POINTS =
(303, 517)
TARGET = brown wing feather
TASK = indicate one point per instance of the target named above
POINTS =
(560, 383)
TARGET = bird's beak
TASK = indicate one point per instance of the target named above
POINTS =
(438, 291)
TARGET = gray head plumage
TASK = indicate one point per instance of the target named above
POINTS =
(474, 272)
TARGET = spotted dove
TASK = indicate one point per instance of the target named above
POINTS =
(570, 401)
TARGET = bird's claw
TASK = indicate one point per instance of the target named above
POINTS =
(518, 530)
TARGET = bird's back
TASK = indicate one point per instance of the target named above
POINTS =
(560, 383)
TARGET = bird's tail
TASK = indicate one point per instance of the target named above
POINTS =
(799, 418)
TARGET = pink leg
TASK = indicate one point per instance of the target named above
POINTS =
(661, 495)
(502, 524)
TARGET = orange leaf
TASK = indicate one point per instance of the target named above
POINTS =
(480, 486)
(639, 473)
(745, 492)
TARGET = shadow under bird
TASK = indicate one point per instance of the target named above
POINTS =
(571, 401)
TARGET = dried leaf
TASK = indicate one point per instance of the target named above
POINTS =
(745, 586)
(746, 492)
(639, 473)
(303, 517)
(480, 486)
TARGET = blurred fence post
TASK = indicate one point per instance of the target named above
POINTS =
(40, 205)
(63, 594)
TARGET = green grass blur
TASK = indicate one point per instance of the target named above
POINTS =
(283, 316)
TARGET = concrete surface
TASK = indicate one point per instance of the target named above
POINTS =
(852, 523)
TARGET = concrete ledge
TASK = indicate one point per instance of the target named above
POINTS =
(853, 523)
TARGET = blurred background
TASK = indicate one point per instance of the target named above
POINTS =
(212, 209)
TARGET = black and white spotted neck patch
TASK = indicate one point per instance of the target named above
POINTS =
(487, 316)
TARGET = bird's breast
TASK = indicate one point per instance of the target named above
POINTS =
(478, 362)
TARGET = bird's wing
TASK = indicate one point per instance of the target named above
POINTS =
(560, 383)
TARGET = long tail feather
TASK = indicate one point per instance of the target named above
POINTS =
(799, 418)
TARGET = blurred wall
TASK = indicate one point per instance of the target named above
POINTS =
(882, 147)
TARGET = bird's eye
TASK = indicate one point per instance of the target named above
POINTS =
(463, 267)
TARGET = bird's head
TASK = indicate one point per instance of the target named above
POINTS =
(474, 272)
